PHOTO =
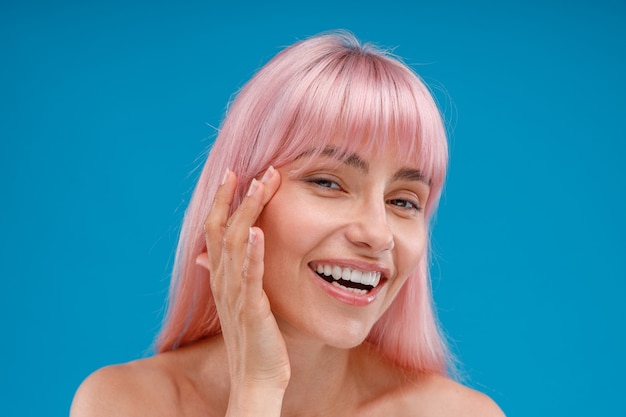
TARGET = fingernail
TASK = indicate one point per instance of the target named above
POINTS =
(201, 261)
(251, 236)
(225, 176)
(253, 187)
(268, 174)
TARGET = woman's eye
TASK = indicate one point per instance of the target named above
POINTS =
(325, 183)
(404, 204)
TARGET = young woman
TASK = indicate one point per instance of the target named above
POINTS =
(301, 280)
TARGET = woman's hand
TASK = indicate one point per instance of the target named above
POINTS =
(257, 355)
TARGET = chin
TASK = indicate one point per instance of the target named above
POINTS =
(341, 333)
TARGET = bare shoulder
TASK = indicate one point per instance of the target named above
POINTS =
(143, 387)
(441, 396)
(392, 391)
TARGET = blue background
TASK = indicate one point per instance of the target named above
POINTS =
(105, 108)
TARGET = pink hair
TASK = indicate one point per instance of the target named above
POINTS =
(310, 94)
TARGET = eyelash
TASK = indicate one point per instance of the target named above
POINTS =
(401, 203)
(319, 181)
(404, 203)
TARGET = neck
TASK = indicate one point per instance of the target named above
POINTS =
(320, 381)
(323, 381)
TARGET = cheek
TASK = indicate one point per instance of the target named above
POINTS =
(292, 218)
(410, 246)
(289, 226)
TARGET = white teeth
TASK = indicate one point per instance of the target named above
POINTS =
(337, 272)
(357, 276)
(354, 290)
(376, 279)
(371, 278)
(346, 274)
(367, 278)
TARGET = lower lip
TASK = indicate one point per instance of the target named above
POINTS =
(348, 297)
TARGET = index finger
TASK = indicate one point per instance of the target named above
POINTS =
(215, 222)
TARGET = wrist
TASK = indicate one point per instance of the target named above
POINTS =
(255, 401)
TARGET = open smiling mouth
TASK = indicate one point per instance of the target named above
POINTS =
(353, 280)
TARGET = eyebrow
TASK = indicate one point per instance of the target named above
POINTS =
(356, 161)
(410, 174)
(351, 159)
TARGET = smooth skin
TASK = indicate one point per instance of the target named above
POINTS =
(302, 354)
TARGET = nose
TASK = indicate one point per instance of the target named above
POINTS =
(369, 228)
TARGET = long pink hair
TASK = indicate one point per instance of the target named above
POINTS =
(327, 87)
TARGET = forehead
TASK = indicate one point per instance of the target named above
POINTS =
(368, 149)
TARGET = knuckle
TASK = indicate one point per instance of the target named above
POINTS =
(227, 244)
(209, 225)
(245, 269)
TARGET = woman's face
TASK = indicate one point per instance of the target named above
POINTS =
(341, 237)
